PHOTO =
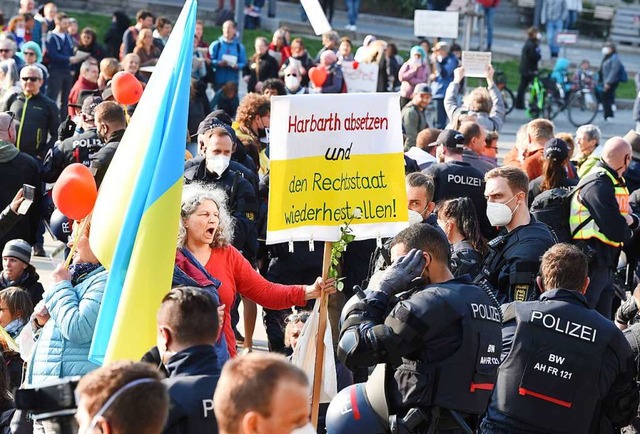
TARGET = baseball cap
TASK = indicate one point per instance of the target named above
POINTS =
(556, 150)
(211, 122)
(442, 45)
(422, 88)
(89, 105)
(451, 139)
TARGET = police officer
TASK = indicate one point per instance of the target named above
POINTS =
(214, 169)
(187, 332)
(456, 178)
(513, 261)
(569, 370)
(440, 343)
(602, 220)
(111, 124)
(78, 148)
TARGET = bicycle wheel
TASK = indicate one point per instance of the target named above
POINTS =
(508, 98)
(582, 108)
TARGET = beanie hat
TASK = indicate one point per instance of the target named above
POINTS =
(18, 249)
(417, 49)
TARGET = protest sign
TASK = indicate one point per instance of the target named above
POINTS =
(435, 24)
(360, 77)
(316, 16)
(330, 155)
(475, 63)
(566, 38)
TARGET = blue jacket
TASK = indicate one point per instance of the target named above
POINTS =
(444, 76)
(62, 349)
(59, 50)
(234, 48)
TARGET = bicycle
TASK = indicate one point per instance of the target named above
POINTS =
(547, 99)
(500, 79)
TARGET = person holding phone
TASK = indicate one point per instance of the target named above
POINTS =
(9, 216)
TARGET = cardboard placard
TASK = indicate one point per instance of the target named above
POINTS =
(316, 16)
(475, 63)
(360, 77)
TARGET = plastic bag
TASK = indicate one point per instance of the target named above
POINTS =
(304, 355)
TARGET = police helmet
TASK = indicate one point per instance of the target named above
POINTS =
(61, 226)
(350, 412)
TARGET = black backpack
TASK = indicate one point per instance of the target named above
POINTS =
(553, 208)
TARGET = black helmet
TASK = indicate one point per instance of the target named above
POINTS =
(351, 412)
(61, 226)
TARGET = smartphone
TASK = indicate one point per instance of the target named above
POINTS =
(29, 193)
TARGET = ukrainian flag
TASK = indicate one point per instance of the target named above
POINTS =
(135, 220)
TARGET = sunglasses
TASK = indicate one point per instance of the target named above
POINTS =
(13, 116)
(291, 75)
(29, 53)
(31, 79)
(5, 50)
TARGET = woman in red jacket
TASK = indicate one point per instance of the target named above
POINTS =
(205, 231)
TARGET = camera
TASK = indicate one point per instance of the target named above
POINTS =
(55, 402)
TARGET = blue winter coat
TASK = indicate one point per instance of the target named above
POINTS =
(62, 349)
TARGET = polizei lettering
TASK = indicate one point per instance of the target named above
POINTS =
(483, 311)
(563, 326)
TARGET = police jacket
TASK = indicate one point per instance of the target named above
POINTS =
(465, 259)
(76, 149)
(513, 261)
(193, 376)
(459, 179)
(441, 344)
(606, 203)
(101, 160)
(569, 370)
(241, 201)
(39, 119)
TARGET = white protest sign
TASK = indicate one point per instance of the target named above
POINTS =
(316, 16)
(475, 63)
(566, 38)
(330, 156)
(360, 77)
(435, 24)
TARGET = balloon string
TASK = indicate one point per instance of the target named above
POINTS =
(67, 263)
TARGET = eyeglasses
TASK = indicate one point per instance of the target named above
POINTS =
(31, 79)
(291, 75)
(5, 50)
(13, 116)
(29, 53)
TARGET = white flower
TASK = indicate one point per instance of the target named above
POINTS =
(357, 213)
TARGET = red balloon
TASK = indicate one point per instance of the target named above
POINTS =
(355, 64)
(318, 75)
(126, 88)
(75, 191)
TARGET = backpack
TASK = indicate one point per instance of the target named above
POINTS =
(623, 77)
(553, 208)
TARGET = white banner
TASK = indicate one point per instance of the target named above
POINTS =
(435, 24)
(360, 77)
(331, 155)
(316, 16)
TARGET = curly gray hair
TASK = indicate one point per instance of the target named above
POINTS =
(193, 195)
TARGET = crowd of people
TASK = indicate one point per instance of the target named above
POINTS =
(503, 299)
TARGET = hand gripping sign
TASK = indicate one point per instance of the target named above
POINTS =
(331, 155)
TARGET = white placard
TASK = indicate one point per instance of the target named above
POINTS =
(435, 24)
(336, 158)
(475, 63)
(316, 16)
(567, 38)
(360, 77)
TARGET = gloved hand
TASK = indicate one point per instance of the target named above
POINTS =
(399, 275)
(66, 129)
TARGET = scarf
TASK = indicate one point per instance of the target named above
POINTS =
(8, 151)
(5, 283)
(15, 327)
(81, 270)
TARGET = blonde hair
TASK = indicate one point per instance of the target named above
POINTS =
(193, 195)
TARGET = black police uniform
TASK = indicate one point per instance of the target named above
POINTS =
(241, 202)
(513, 262)
(101, 160)
(76, 149)
(459, 179)
(193, 376)
(569, 370)
(441, 344)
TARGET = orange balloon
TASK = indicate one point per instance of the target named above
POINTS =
(75, 191)
(126, 88)
(318, 75)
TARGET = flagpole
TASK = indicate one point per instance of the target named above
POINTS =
(318, 370)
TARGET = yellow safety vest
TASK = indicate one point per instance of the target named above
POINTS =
(580, 213)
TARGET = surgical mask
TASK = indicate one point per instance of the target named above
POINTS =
(606, 50)
(307, 429)
(292, 82)
(499, 214)
(20, 32)
(439, 58)
(263, 133)
(416, 61)
(218, 164)
(414, 217)
(538, 36)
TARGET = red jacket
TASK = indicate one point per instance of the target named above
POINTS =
(80, 85)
